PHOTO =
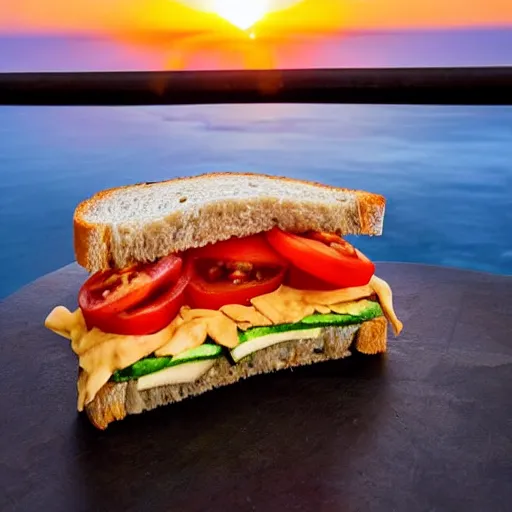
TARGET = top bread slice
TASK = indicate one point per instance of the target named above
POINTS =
(143, 222)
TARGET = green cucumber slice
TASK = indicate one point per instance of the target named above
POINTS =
(261, 342)
(205, 351)
(155, 364)
(259, 338)
(257, 332)
(182, 373)
(371, 310)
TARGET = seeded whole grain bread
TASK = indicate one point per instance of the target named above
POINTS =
(117, 400)
(139, 223)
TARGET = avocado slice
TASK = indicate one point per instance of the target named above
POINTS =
(155, 364)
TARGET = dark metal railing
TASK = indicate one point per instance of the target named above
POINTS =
(428, 86)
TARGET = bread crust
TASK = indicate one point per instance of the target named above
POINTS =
(97, 247)
(117, 400)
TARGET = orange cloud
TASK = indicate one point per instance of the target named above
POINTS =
(157, 15)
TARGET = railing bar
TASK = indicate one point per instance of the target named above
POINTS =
(429, 86)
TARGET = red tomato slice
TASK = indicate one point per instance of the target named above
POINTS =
(113, 291)
(149, 317)
(334, 241)
(333, 265)
(213, 295)
(139, 300)
(300, 280)
(254, 249)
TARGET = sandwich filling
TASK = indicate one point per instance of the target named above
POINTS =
(169, 321)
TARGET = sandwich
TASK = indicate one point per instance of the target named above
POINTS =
(195, 283)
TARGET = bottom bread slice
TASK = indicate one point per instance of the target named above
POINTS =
(117, 400)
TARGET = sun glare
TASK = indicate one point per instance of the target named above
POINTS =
(242, 13)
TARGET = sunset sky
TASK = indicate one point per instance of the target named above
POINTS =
(58, 16)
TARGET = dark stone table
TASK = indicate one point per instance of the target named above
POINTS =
(426, 428)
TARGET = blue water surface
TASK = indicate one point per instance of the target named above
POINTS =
(446, 171)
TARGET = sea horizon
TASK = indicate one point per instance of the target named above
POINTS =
(452, 47)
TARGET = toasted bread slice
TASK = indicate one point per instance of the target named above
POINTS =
(143, 222)
(117, 400)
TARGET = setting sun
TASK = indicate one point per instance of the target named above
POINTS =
(241, 14)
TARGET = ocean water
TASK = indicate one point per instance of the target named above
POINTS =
(446, 171)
